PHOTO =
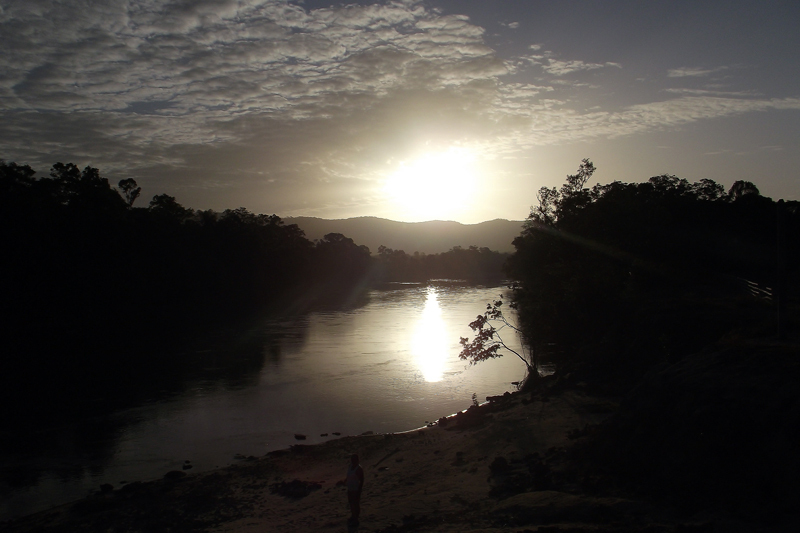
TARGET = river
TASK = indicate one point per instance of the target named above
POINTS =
(388, 364)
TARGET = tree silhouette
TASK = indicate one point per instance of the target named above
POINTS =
(130, 190)
(488, 340)
(555, 203)
(741, 188)
(167, 206)
(606, 273)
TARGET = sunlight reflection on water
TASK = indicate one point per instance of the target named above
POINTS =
(430, 340)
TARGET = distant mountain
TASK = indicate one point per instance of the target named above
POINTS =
(425, 237)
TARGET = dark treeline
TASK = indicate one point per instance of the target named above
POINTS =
(614, 274)
(97, 290)
(640, 291)
(473, 263)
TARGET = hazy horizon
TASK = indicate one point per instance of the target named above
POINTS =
(401, 221)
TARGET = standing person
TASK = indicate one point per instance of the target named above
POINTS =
(354, 482)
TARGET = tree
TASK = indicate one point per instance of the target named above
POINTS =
(610, 275)
(166, 205)
(554, 203)
(14, 178)
(742, 188)
(545, 212)
(488, 340)
(130, 190)
(576, 182)
(338, 259)
(707, 189)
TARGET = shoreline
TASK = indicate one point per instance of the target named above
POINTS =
(549, 460)
(431, 471)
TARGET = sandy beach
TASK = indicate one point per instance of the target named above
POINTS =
(437, 478)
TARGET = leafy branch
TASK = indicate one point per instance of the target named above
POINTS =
(488, 340)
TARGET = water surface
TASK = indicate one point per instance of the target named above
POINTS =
(389, 365)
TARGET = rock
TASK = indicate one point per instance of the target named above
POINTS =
(277, 453)
(187, 467)
(174, 475)
(134, 487)
(323, 434)
(499, 465)
(105, 488)
(299, 436)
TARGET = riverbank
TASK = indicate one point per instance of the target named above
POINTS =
(524, 462)
(427, 479)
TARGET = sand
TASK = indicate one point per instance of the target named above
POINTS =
(491, 469)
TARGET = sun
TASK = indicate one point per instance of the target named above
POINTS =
(434, 186)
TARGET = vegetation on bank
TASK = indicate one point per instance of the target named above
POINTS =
(681, 299)
(101, 295)
(613, 279)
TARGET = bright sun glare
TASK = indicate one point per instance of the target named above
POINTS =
(434, 186)
(430, 343)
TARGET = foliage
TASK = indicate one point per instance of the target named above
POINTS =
(88, 277)
(628, 274)
(555, 203)
(471, 263)
(130, 190)
(488, 340)
(92, 283)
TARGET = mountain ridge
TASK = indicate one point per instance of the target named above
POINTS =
(429, 237)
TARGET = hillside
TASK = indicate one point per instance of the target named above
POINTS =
(425, 237)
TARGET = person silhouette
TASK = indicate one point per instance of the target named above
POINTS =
(355, 483)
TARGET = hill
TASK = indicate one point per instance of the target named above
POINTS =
(431, 237)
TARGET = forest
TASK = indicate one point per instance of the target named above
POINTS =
(680, 300)
(617, 277)
(90, 278)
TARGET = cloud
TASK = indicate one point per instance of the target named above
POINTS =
(557, 67)
(709, 92)
(228, 56)
(193, 70)
(254, 98)
(693, 72)
(562, 68)
(555, 123)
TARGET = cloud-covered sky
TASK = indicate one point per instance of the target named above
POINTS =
(406, 109)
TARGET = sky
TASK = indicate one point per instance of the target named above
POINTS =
(408, 110)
